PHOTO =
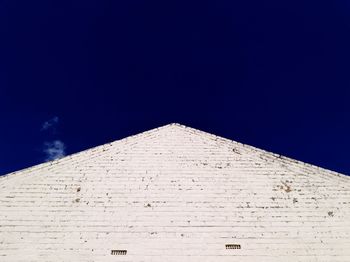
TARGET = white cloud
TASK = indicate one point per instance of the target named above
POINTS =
(51, 123)
(54, 150)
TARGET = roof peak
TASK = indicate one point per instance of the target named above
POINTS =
(175, 124)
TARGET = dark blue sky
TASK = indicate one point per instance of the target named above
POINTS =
(272, 74)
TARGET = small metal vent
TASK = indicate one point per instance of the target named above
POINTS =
(118, 252)
(233, 246)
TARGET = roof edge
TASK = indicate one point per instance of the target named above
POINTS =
(67, 157)
(184, 127)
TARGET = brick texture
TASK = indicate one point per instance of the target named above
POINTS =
(175, 194)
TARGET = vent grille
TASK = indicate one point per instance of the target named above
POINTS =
(233, 246)
(118, 252)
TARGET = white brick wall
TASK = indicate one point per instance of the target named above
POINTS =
(175, 194)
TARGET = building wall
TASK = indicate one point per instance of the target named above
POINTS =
(175, 194)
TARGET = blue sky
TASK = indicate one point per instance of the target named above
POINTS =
(272, 74)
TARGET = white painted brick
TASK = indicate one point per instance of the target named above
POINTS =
(175, 194)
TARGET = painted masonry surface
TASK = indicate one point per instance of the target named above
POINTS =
(175, 194)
